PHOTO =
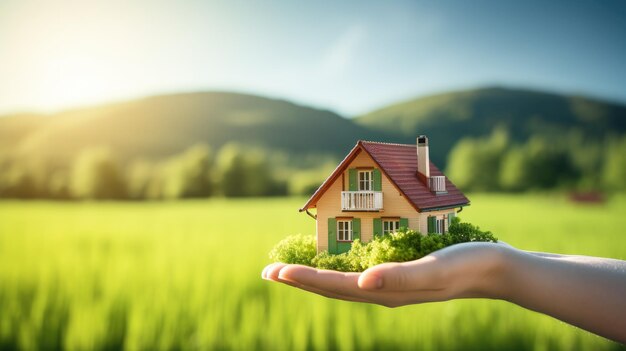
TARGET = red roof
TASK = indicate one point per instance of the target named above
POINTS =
(399, 163)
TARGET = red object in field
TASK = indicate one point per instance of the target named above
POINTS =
(592, 197)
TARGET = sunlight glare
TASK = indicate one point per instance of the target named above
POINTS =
(75, 79)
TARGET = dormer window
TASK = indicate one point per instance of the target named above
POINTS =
(437, 184)
(366, 180)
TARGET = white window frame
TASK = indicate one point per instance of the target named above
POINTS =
(390, 226)
(440, 225)
(344, 230)
(366, 180)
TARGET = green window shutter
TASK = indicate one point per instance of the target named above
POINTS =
(451, 215)
(378, 227)
(378, 182)
(352, 181)
(356, 228)
(404, 223)
(332, 235)
(432, 223)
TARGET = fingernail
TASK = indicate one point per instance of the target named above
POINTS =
(371, 282)
(283, 277)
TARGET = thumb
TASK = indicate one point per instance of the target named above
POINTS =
(414, 275)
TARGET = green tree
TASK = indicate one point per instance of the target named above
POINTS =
(474, 164)
(141, 174)
(17, 182)
(96, 175)
(246, 172)
(188, 175)
(305, 182)
(549, 164)
(59, 186)
(514, 170)
(614, 169)
(231, 164)
(587, 158)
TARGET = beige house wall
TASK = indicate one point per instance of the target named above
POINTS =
(394, 205)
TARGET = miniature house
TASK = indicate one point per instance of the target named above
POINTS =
(379, 188)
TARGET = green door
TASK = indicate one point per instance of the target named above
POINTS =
(332, 236)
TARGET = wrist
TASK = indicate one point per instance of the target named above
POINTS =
(494, 275)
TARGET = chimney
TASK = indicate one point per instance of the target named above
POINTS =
(423, 160)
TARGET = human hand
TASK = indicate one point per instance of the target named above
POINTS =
(459, 271)
(557, 285)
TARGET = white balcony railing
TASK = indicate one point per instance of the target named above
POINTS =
(438, 184)
(361, 200)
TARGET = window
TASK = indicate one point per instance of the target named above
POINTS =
(440, 226)
(390, 226)
(366, 181)
(344, 230)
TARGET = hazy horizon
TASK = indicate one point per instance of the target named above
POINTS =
(95, 104)
(349, 57)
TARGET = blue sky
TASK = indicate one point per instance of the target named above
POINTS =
(350, 57)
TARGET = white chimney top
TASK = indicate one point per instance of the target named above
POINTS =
(423, 159)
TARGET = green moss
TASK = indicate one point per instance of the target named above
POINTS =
(401, 246)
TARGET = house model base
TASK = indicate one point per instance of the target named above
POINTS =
(379, 188)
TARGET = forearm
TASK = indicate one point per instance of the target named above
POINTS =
(588, 292)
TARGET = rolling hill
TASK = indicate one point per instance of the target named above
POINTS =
(160, 126)
(446, 118)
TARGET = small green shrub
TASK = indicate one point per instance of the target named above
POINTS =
(433, 242)
(401, 246)
(295, 249)
(358, 256)
(466, 232)
(340, 262)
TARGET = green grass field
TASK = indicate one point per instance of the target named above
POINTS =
(186, 275)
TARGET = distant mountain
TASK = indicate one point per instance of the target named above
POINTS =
(446, 118)
(160, 126)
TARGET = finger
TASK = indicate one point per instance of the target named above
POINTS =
(384, 298)
(424, 274)
(287, 278)
(331, 281)
(325, 279)
(271, 272)
(264, 272)
(344, 286)
(325, 293)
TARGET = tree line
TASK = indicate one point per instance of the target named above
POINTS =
(492, 163)
(567, 162)
(198, 172)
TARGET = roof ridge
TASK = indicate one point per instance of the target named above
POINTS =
(384, 143)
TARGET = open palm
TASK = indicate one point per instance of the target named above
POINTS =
(584, 291)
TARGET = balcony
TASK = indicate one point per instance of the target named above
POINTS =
(438, 184)
(361, 200)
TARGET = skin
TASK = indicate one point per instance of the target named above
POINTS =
(589, 292)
